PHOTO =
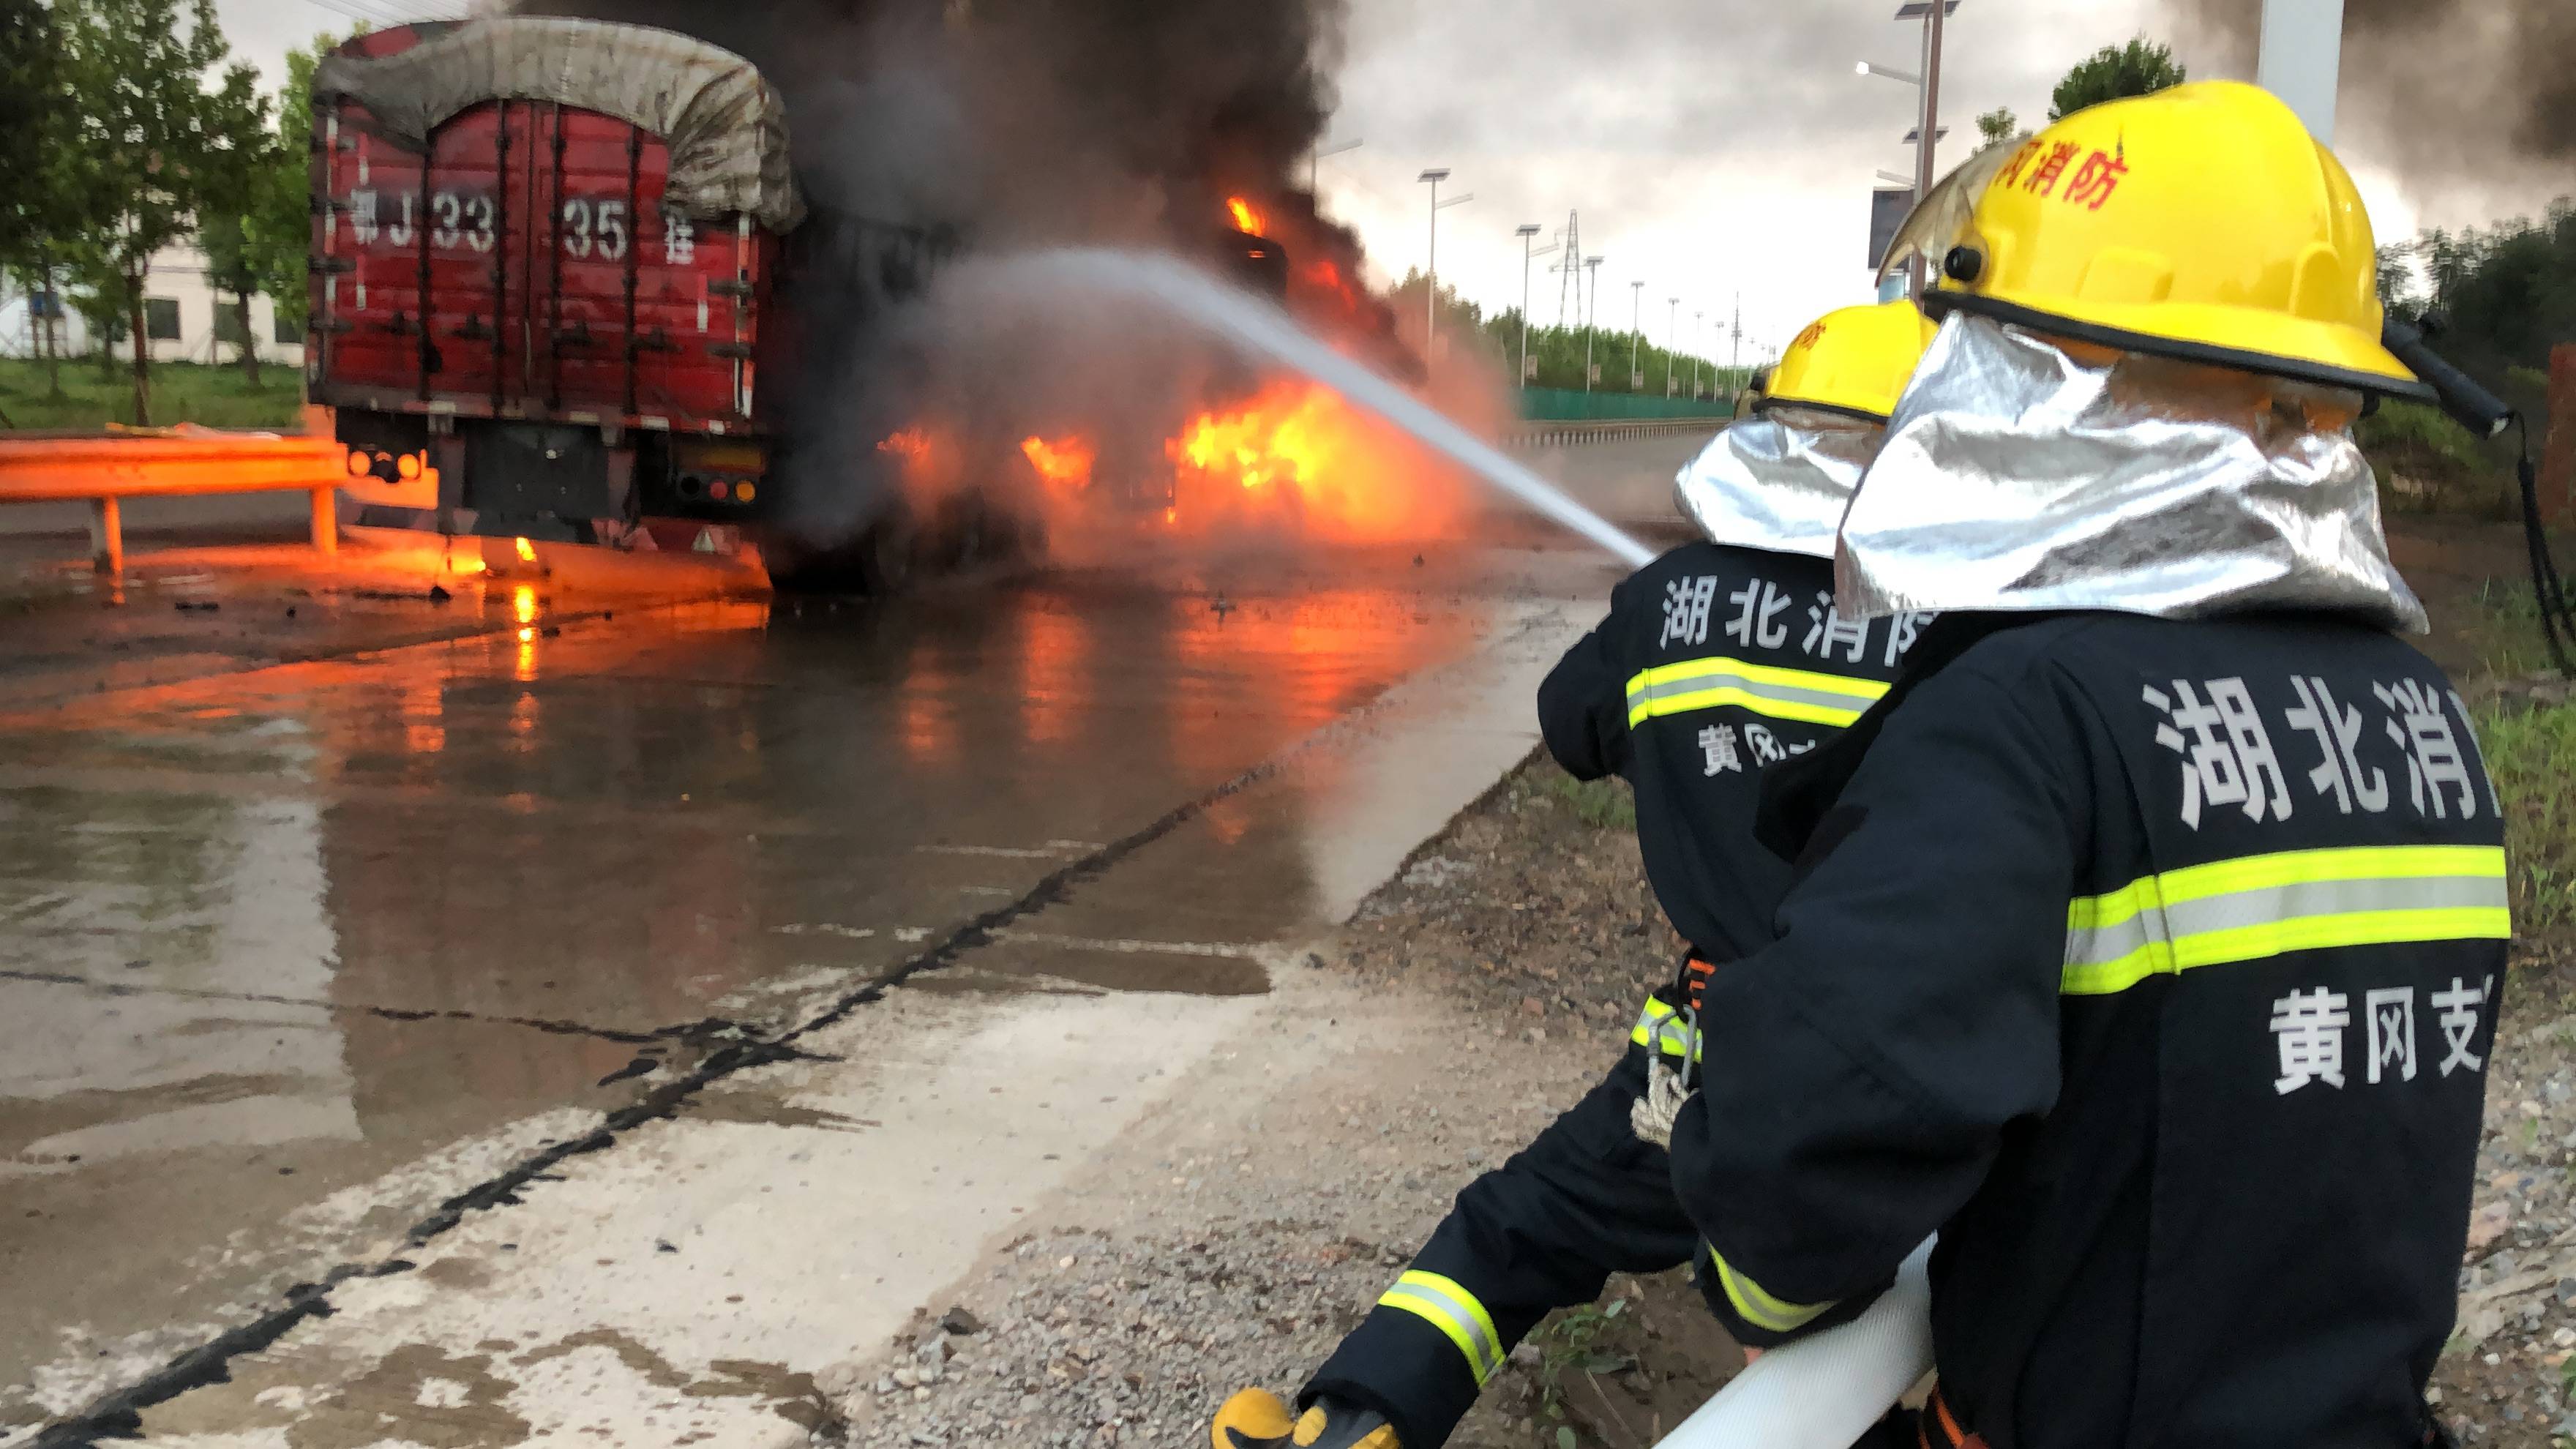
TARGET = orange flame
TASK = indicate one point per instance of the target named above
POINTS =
(1064, 463)
(911, 444)
(527, 550)
(1326, 276)
(1298, 455)
(1246, 219)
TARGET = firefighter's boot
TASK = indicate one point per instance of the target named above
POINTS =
(1255, 1419)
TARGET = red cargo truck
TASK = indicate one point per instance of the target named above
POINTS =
(545, 258)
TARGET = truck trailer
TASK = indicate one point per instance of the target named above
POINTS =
(547, 271)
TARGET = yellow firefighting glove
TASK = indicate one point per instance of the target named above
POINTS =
(1255, 1419)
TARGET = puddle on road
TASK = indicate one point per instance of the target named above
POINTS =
(610, 827)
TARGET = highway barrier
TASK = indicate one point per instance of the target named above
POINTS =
(105, 471)
(1532, 436)
(1565, 404)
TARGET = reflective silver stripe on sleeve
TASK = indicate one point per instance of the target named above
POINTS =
(1455, 1312)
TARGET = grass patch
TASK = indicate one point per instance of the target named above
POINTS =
(2430, 464)
(1605, 804)
(2503, 630)
(1570, 1343)
(2531, 751)
(182, 392)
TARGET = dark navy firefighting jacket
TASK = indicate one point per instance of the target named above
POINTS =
(2154, 965)
(1715, 664)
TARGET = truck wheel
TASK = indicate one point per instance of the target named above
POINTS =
(887, 554)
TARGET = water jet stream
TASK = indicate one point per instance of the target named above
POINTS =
(1253, 325)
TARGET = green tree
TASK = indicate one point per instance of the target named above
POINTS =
(101, 294)
(2140, 68)
(46, 197)
(155, 139)
(229, 268)
(278, 227)
(1999, 124)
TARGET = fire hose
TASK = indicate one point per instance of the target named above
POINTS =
(1826, 1391)
(2486, 416)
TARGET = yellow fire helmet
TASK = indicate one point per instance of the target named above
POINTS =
(1855, 361)
(2202, 223)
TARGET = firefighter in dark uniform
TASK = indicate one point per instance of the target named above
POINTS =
(2147, 938)
(1718, 661)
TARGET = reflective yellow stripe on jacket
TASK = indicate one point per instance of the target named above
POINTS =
(1792, 694)
(1665, 1028)
(1757, 1307)
(1455, 1312)
(2297, 900)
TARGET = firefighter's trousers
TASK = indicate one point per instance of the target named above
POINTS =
(1543, 1231)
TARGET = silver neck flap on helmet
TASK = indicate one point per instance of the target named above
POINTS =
(2017, 476)
(1779, 481)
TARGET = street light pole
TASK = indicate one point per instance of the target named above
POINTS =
(1672, 342)
(1431, 272)
(1929, 137)
(1925, 167)
(1735, 359)
(1636, 300)
(1699, 328)
(1527, 231)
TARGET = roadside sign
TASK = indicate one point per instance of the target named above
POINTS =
(1888, 208)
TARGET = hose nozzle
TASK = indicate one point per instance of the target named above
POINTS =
(2471, 406)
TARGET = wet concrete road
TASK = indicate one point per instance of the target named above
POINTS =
(295, 954)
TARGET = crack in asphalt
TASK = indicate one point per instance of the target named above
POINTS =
(694, 1033)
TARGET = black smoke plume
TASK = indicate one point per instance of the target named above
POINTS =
(1001, 124)
(2448, 89)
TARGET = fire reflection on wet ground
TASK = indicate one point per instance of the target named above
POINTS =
(278, 929)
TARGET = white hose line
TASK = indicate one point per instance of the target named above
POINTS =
(1824, 1392)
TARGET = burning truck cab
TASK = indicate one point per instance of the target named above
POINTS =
(546, 269)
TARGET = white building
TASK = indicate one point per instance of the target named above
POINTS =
(186, 318)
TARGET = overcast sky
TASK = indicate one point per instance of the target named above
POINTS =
(1711, 146)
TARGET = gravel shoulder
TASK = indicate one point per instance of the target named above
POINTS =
(1237, 1235)
(1239, 1232)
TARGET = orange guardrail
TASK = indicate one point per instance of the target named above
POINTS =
(104, 471)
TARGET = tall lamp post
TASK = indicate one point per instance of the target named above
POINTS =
(1927, 86)
(1431, 269)
(1699, 327)
(1526, 233)
(1636, 335)
(1431, 272)
(1672, 343)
